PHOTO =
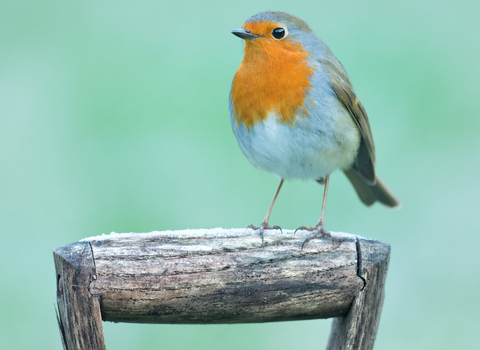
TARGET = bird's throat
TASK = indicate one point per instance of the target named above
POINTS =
(271, 78)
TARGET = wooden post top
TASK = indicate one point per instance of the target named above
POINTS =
(227, 276)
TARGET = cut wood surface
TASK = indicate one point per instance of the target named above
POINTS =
(221, 276)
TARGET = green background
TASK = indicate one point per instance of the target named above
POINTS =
(114, 117)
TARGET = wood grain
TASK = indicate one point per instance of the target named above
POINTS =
(220, 276)
(79, 318)
(358, 329)
(223, 276)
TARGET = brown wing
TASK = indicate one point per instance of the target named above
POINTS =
(365, 161)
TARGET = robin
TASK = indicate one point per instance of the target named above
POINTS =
(295, 114)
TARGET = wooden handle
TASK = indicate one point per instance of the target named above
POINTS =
(228, 276)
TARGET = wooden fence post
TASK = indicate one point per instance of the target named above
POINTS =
(220, 276)
(80, 319)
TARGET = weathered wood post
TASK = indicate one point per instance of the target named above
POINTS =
(220, 276)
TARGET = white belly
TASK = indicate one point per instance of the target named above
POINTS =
(311, 148)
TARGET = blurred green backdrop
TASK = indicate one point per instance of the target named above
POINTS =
(114, 117)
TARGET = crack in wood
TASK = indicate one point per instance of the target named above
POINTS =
(359, 261)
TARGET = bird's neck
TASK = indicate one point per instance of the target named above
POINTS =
(270, 79)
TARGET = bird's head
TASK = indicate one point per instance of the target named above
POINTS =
(275, 33)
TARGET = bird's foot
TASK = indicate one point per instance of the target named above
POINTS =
(264, 226)
(318, 232)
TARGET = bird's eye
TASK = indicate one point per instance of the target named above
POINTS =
(278, 33)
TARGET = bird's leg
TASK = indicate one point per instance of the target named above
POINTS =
(264, 225)
(319, 229)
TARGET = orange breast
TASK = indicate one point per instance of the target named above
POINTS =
(273, 77)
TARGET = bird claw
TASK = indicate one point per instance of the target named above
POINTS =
(304, 228)
(318, 231)
(264, 226)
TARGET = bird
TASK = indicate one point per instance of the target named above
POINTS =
(295, 114)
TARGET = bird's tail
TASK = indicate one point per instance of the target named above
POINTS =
(370, 194)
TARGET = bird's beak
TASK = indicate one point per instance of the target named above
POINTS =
(244, 34)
